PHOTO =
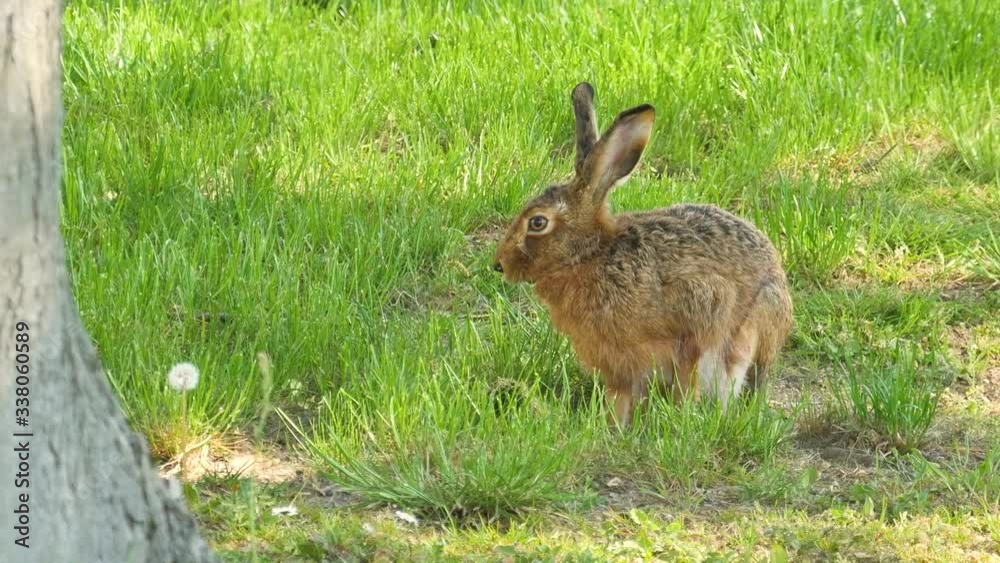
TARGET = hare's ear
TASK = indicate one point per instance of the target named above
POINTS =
(586, 122)
(614, 157)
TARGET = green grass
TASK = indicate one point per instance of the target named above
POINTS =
(693, 445)
(889, 395)
(325, 186)
(447, 443)
(813, 225)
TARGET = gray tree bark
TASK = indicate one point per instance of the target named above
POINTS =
(79, 486)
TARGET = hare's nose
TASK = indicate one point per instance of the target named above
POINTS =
(497, 267)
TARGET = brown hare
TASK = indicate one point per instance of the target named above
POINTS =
(691, 293)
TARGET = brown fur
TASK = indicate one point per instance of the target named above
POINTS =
(662, 291)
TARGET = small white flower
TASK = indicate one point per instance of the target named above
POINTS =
(407, 517)
(289, 510)
(183, 377)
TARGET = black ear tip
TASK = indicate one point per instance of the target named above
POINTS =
(638, 110)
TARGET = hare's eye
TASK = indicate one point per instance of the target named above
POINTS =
(538, 223)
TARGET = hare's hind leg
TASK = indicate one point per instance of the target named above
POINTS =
(739, 361)
(712, 373)
(620, 405)
(771, 318)
(771, 321)
(686, 380)
(723, 370)
(623, 400)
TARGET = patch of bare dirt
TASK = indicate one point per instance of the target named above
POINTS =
(965, 288)
(864, 163)
(989, 384)
(485, 235)
(785, 390)
(897, 269)
(622, 493)
(218, 458)
(980, 395)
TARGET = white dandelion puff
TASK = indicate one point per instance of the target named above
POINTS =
(407, 517)
(183, 377)
(288, 510)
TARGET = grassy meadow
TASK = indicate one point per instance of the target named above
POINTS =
(303, 200)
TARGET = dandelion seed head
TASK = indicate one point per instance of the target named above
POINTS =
(289, 510)
(183, 377)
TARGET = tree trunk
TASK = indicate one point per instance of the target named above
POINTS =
(78, 484)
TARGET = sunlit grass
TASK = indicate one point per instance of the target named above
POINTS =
(892, 394)
(324, 186)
